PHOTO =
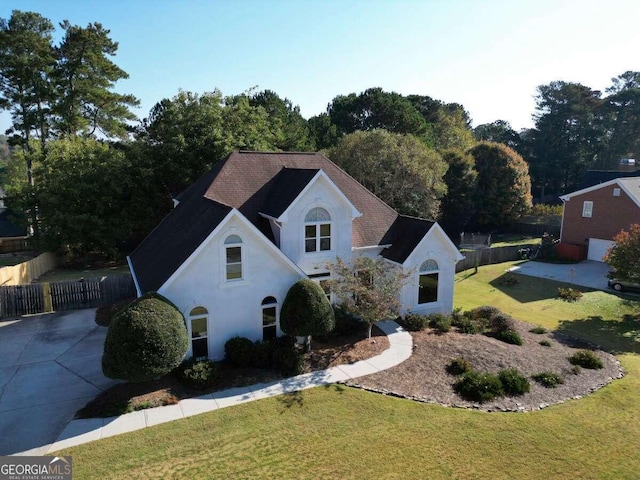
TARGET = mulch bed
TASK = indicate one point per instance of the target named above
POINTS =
(423, 377)
(169, 390)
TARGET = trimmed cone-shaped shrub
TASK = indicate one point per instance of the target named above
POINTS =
(306, 310)
(146, 340)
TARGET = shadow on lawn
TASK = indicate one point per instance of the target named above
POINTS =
(526, 289)
(296, 399)
(614, 336)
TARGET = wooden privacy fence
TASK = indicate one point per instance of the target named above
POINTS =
(65, 295)
(489, 256)
(27, 271)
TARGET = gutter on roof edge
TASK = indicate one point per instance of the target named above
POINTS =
(133, 274)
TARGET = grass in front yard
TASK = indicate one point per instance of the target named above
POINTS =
(76, 274)
(508, 240)
(597, 316)
(339, 432)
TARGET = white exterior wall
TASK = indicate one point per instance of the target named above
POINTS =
(436, 246)
(320, 194)
(234, 306)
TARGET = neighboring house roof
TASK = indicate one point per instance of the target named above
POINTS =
(8, 228)
(630, 185)
(595, 177)
(264, 183)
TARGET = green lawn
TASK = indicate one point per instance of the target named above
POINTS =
(339, 432)
(508, 240)
(77, 274)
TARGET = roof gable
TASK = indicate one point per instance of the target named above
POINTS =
(235, 215)
(247, 181)
(318, 177)
(630, 185)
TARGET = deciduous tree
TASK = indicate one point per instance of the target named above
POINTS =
(400, 169)
(459, 204)
(624, 256)
(503, 191)
(368, 288)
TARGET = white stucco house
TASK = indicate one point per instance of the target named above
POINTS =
(256, 223)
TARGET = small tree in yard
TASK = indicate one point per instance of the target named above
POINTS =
(306, 311)
(624, 256)
(368, 288)
(146, 340)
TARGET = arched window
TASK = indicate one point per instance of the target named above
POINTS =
(428, 282)
(317, 230)
(269, 318)
(198, 319)
(233, 254)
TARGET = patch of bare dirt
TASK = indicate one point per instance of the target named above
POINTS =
(424, 377)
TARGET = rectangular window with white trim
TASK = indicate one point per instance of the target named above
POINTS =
(587, 209)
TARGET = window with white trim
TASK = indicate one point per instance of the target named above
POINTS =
(317, 230)
(269, 318)
(198, 319)
(587, 209)
(428, 282)
(233, 256)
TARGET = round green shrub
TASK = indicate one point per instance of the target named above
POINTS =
(199, 374)
(509, 336)
(346, 322)
(262, 354)
(548, 379)
(306, 310)
(414, 323)
(545, 343)
(485, 312)
(539, 329)
(466, 325)
(439, 322)
(286, 356)
(478, 387)
(459, 366)
(513, 382)
(239, 351)
(146, 340)
(586, 359)
(501, 322)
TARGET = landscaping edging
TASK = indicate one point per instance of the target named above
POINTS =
(479, 406)
(425, 378)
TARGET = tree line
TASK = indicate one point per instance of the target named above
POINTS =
(92, 177)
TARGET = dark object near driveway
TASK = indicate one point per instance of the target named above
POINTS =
(621, 285)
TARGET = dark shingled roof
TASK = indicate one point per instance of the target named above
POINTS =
(595, 177)
(174, 240)
(404, 236)
(264, 182)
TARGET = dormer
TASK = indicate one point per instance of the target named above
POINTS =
(311, 219)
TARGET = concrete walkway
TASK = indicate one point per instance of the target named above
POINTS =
(87, 430)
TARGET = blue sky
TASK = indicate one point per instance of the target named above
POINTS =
(489, 56)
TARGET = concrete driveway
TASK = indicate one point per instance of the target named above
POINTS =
(49, 368)
(586, 273)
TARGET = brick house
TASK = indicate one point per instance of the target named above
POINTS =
(592, 216)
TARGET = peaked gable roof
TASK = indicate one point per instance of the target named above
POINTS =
(247, 181)
(255, 183)
(630, 185)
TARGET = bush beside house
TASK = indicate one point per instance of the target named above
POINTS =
(146, 340)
